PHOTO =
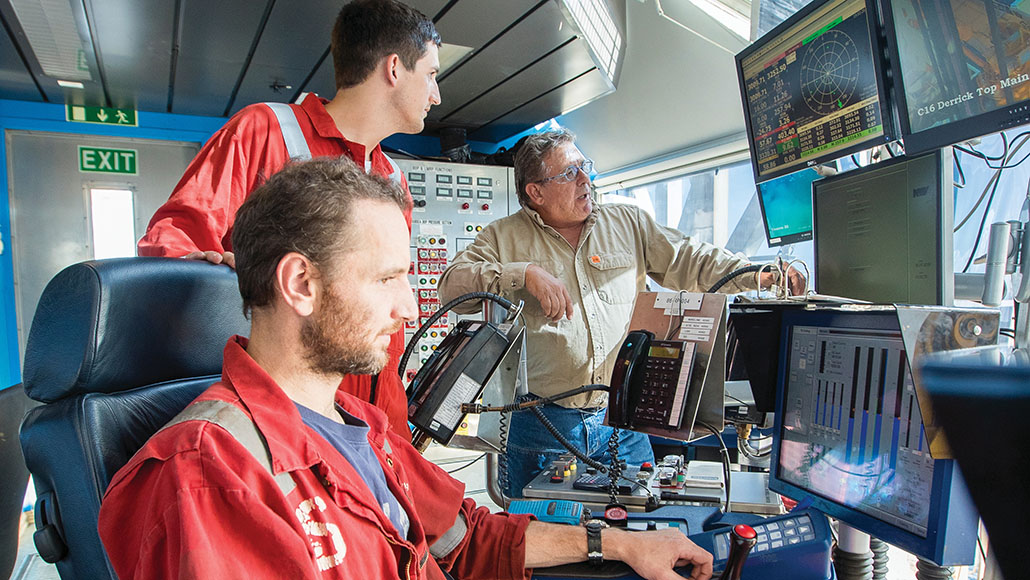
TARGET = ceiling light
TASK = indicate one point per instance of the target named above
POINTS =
(451, 54)
(50, 27)
(594, 21)
(71, 84)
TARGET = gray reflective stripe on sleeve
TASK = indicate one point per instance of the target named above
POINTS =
(446, 543)
(396, 173)
(241, 427)
(296, 144)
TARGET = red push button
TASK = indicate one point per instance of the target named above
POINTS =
(745, 531)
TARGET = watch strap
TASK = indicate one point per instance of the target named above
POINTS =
(594, 553)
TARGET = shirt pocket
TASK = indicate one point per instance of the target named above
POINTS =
(615, 277)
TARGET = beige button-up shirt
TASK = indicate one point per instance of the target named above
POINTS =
(620, 245)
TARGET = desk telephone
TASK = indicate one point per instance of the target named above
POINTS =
(650, 381)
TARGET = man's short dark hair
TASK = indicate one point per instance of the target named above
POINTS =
(366, 31)
(305, 208)
(529, 161)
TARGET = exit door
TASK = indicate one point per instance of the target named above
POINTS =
(70, 194)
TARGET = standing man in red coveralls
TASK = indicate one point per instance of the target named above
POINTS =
(320, 488)
(385, 55)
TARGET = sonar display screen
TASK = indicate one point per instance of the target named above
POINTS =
(810, 89)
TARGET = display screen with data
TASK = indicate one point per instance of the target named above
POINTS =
(852, 431)
(811, 88)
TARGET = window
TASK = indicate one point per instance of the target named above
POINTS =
(111, 222)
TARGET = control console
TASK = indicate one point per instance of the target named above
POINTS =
(794, 546)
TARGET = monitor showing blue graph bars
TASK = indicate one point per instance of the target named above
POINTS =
(850, 436)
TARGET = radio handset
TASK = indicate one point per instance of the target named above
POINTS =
(627, 381)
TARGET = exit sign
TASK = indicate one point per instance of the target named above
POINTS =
(98, 160)
(103, 115)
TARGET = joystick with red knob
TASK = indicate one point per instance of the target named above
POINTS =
(742, 539)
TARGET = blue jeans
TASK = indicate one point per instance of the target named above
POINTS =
(531, 447)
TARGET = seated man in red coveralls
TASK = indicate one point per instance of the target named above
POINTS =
(268, 475)
(385, 55)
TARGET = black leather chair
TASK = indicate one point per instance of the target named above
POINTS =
(13, 476)
(116, 349)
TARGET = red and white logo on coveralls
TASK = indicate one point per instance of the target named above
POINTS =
(326, 539)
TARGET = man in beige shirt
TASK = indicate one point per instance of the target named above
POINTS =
(578, 267)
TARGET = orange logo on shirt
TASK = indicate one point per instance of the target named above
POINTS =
(595, 259)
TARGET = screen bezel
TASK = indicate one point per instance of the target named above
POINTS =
(949, 133)
(942, 214)
(877, 47)
(946, 517)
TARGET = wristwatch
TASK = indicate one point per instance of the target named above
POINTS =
(594, 553)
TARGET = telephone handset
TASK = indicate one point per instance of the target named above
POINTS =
(650, 382)
(627, 379)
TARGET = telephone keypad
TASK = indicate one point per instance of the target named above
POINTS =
(657, 396)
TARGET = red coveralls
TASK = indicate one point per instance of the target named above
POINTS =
(237, 159)
(194, 503)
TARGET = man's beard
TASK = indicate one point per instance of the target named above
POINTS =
(338, 342)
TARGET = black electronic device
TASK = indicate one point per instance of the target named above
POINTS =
(813, 88)
(600, 483)
(650, 380)
(456, 373)
(627, 373)
(960, 69)
(883, 233)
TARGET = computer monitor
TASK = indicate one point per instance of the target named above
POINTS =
(786, 204)
(960, 69)
(812, 88)
(883, 233)
(849, 437)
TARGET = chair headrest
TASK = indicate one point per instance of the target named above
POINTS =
(112, 325)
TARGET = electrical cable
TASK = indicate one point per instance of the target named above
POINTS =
(992, 183)
(725, 461)
(983, 194)
(1004, 149)
(476, 408)
(600, 467)
(467, 464)
(1005, 164)
(983, 221)
(739, 271)
(438, 314)
(502, 457)
(961, 174)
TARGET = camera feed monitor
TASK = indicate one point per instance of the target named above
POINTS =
(811, 88)
(786, 204)
(961, 68)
